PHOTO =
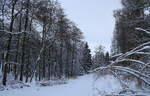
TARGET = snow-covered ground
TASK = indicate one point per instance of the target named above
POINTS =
(81, 86)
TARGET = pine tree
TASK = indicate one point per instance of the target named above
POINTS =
(87, 61)
(107, 57)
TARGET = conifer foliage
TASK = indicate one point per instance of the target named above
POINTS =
(87, 61)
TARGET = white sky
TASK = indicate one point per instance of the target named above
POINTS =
(94, 18)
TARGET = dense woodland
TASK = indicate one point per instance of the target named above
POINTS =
(38, 41)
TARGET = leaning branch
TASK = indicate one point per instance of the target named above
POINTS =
(141, 29)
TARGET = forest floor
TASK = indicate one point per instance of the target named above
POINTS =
(81, 86)
(86, 85)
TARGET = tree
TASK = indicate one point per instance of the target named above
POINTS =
(7, 51)
(87, 61)
(127, 19)
(107, 58)
(27, 6)
(98, 58)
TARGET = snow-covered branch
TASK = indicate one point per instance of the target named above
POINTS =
(14, 63)
(141, 29)
(14, 33)
(141, 47)
(133, 72)
(131, 60)
(117, 55)
(142, 53)
(98, 69)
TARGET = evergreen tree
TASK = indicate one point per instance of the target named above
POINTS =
(87, 61)
(107, 57)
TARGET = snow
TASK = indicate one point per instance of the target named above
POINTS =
(81, 86)
(141, 29)
(107, 85)
(117, 55)
(14, 33)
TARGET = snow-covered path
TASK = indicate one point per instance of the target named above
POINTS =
(81, 86)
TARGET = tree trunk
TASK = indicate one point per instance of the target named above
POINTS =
(24, 41)
(6, 54)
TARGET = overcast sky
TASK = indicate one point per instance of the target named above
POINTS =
(94, 18)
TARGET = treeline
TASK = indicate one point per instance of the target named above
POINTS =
(38, 41)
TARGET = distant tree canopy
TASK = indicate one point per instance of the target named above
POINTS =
(100, 58)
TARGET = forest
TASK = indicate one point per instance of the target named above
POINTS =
(39, 43)
(38, 40)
